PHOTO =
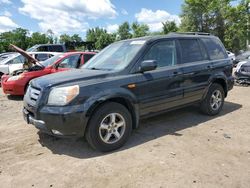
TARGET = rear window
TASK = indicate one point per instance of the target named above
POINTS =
(215, 48)
(191, 51)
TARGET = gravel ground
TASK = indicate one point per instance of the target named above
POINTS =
(182, 148)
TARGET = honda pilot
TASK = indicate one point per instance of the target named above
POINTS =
(127, 81)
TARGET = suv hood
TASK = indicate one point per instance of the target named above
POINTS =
(70, 76)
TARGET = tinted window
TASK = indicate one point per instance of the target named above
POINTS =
(72, 61)
(163, 52)
(56, 48)
(215, 48)
(87, 57)
(42, 49)
(191, 51)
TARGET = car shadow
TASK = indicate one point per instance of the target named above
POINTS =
(152, 128)
(15, 97)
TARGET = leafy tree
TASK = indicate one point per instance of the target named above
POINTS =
(65, 38)
(100, 37)
(169, 26)
(38, 38)
(139, 30)
(50, 34)
(124, 31)
(205, 16)
(18, 37)
(219, 18)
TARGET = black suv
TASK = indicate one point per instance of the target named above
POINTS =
(128, 80)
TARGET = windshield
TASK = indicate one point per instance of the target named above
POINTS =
(116, 56)
(52, 60)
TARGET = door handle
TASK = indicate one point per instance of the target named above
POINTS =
(210, 67)
(175, 73)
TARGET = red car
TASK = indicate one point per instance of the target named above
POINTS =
(17, 84)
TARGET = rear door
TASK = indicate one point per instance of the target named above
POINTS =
(160, 89)
(196, 68)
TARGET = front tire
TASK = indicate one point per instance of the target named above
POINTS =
(109, 127)
(214, 100)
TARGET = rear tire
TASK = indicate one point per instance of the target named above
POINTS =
(214, 100)
(109, 127)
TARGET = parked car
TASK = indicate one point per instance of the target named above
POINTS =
(242, 72)
(242, 57)
(231, 55)
(127, 81)
(17, 84)
(15, 61)
(6, 55)
(47, 48)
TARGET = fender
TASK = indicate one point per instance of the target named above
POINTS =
(219, 77)
(111, 94)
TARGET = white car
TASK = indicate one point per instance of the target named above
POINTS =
(15, 61)
(231, 55)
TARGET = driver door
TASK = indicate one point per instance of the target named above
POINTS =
(160, 89)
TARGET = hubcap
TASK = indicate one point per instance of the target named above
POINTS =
(216, 100)
(112, 128)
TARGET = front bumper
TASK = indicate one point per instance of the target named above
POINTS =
(230, 83)
(12, 87)
(67, 121)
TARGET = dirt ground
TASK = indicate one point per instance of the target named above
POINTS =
(182, 148)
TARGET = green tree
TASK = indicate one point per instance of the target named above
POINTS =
(169, 26)
(100, 37)
(139, 30)
(124, 31)
(50, 35)
(18, 37)
(38, 38)
(64, 38)
(205, 16)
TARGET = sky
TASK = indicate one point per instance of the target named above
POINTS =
(76, 16)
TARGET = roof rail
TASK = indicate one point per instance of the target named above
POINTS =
(192, 33)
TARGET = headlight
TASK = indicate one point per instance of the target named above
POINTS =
(63, 95)
(13, 78)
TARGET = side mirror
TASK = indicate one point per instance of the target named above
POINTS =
(148, 65)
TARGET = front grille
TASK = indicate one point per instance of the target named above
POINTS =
(33, 93)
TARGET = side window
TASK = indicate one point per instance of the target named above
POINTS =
(87, 57)
(191, 51)
(55, 48)
(163, 52)
(42, 49)
(215, 48)
(41, 57)
(71, 62)
(16, 60)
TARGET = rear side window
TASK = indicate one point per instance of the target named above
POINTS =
(191, 50)
(87, 57)
(215, 48)
(56, 48)
(42, 49)
(41, 57)
(163, 52)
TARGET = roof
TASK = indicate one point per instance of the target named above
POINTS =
(173, 35)
(80, 52)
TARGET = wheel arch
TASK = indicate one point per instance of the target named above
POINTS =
(131, 107)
